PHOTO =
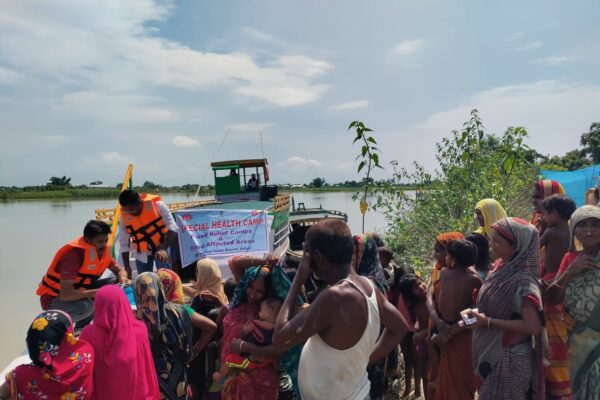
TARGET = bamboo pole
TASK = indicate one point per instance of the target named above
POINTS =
(117, 216)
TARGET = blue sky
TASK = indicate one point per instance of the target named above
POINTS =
(87, 87)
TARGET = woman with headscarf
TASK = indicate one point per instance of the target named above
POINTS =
(170, 333)
(204, 328)
(541, 190)
(172, 285)
(365, 262)
(208, 302)
(510, 314)
(124, 369)
(576, 286)
(257, 279)
(488, 211)
(61, 367)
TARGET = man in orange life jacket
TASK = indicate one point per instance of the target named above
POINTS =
(73, 277)
(150, 227)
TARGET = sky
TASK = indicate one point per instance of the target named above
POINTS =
(87, 87)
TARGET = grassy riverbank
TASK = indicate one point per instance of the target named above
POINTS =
(80, 193)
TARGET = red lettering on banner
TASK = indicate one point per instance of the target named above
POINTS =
(226, 224)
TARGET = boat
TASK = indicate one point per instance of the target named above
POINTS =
(301, 219)
(235, 195)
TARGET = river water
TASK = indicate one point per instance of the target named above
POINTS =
(32, 231)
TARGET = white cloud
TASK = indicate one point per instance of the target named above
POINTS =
(185, 141)
(515, 36)
(300, 162)
(250, 127)
(107, 44)
(8, 76)
(54, 140)
(530, 46)
(261, 36)
(115, 158)
(117, 107)
(552, 61)
(406, 53)
(352, 105)
(553, 112)
(408, 47)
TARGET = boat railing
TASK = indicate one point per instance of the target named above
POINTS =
(281, 202)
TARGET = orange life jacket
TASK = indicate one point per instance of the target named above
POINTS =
(92, 268)
(147, 230)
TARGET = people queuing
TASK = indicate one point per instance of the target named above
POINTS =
(509, 311)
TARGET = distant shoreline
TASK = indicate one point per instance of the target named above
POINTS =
(112, 193)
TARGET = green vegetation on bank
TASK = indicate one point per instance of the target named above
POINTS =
(472, 165)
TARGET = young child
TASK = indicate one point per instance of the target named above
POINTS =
(459, 283)
(555, 241)
(414, 295)
(258, 332)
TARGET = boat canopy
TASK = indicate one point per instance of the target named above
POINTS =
(252, 163)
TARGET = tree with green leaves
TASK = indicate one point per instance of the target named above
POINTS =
(59, 181)
(591, 143)
(473, 165)
(369, 157)
(317, 182)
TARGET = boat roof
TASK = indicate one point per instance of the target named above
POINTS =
(250, 163)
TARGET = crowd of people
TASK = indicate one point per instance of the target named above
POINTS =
(509, 311)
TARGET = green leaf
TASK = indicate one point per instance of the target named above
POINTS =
(508, 163)
(375, 158)
(352, 124)
(361, 165)
(364, 150)
(355, 139)
(371, 139)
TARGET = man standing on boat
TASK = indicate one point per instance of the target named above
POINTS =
(149, 225)
(73, 277)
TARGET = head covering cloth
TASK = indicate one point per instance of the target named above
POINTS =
(366, 260)
(492, 211)
(61, 366)
(208, 279)
(124, 368)
(172, 285)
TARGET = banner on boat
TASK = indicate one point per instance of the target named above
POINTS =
(209, 232)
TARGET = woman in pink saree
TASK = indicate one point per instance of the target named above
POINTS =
(123, 367)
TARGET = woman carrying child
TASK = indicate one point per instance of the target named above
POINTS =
(255, 282)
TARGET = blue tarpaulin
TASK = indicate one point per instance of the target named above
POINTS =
(576, 183)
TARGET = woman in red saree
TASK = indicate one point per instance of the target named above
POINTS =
(61, 367)
(253, 285)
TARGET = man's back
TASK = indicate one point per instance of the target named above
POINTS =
(333, 362)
